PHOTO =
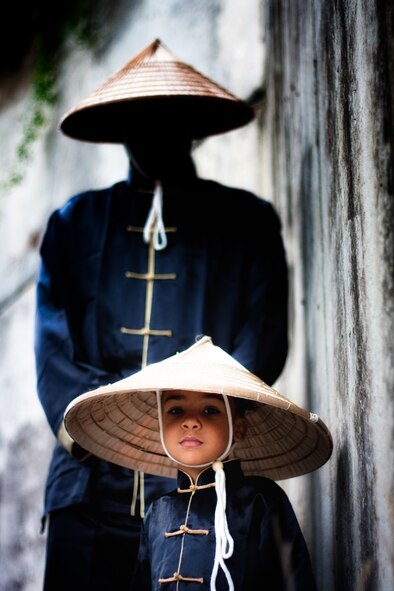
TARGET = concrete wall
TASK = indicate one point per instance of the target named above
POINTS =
(322, 150)
(328, 138)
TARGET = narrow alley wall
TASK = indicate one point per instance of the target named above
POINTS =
(328, 140)
(322, 150)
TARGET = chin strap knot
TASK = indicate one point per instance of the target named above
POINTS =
(154, 221)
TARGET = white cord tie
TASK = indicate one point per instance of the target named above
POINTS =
(154, 221)
(224, 541)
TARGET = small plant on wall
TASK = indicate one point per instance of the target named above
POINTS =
(43, 97)
(43, 34)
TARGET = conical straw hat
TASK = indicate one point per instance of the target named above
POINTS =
(119, 422)
(155, 81)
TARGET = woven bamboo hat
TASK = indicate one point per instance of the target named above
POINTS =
(119, 422)
(155, 82)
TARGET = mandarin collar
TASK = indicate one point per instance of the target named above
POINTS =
(183, 178)
(232, 469)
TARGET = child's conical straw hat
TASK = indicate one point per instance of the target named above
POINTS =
(119, 422)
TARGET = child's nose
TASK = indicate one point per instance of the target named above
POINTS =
(190, 421)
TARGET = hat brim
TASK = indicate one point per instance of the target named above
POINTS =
(119, 422)
(197, 116)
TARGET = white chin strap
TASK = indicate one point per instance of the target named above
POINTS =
(154, 222)
(224, 541)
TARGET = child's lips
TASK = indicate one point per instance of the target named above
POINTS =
(190, 442)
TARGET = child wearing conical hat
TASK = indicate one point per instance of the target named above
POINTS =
(226, 435)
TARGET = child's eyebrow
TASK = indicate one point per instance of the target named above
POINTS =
(172, 397)
(177, 397)
(215, 397)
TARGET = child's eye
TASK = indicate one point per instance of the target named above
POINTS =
(211, 410)
(175, 410)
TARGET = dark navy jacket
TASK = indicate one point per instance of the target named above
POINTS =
(269, 549)
(222, 274)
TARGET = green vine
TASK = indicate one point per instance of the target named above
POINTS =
(78, 22)
(44, 96)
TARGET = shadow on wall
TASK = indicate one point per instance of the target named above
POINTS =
(22, 549)
(34, 37)
(345, 571)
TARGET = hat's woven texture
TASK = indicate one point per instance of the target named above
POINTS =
(155, 80)
(119, 422)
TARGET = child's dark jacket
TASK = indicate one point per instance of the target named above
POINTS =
(269, 549)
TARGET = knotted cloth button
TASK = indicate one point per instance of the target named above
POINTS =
(217, 466)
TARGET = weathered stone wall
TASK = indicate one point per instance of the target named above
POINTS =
(328, 135)
(322, 150)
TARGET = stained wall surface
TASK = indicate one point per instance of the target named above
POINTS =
(328, 138)
(321, 73)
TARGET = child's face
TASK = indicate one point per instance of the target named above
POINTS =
(195, 428)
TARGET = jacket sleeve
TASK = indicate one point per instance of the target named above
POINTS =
(261, 343)
(142, 571)
(60, 376)
(283, 550)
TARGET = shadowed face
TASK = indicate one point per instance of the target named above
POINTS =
(196, 428)
(158, 148)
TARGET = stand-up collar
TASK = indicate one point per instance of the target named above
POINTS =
(232, 469)
(183, 177)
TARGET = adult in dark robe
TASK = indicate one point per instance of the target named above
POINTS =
(131, 274)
